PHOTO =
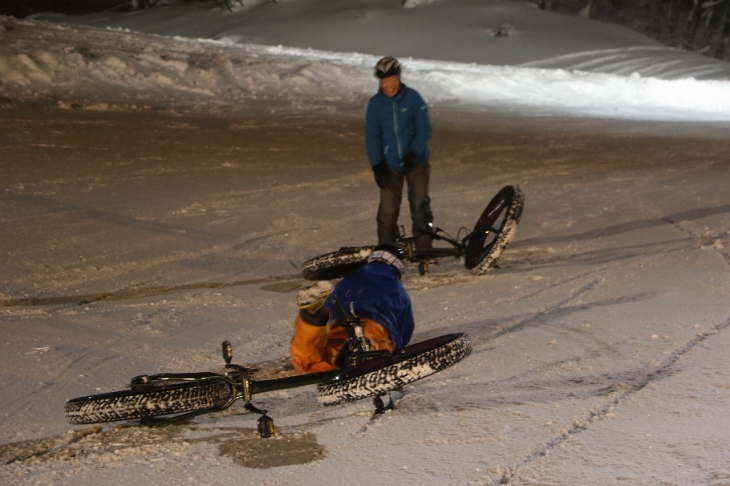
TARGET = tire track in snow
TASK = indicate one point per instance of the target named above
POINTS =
(621, 228)
(650, 376)
(711, 240)
(21, 396)
(556, 309)
(504, 301)
(446, 279)
(138, 292)
(26, 201)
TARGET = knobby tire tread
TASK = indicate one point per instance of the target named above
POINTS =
(147, 401)
(393, 376)
(506, 233)
(336, 264)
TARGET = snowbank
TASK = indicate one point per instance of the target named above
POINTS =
(45, 62)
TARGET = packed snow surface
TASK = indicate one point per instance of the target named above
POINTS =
(158, 195)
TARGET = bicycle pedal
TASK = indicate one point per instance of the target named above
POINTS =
(424, 264)
(266, 427)
(227, 351)
(381, 407)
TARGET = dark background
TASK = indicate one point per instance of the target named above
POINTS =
(23, 8)
(702, 26)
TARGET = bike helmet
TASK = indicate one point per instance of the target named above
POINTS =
(390, 255)
(387, 66)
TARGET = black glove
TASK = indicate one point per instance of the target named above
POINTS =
(409, 160)
(381, 173)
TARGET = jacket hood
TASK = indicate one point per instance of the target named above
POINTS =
(376, 293)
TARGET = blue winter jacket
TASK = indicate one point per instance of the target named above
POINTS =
(395, 126)
(377, 294)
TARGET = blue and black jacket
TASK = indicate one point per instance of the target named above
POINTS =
(395, 126)
(377, 294)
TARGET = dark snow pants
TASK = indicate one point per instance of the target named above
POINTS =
(418, 200)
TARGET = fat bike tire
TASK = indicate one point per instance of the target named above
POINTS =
(392, 372)
(494, 230)
(336, 264)
(148, 401)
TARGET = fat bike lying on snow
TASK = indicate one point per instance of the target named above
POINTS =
(481, 248)
(173, 397)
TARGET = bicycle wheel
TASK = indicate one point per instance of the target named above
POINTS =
(148, 401)
(494, 230)
(392, 372)
(340, 263)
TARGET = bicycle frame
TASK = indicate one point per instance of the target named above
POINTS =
(458, 248)
(243, 387)
(480, 248)
(425, 256)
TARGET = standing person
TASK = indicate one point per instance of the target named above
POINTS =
(397, 130)
(379, 300)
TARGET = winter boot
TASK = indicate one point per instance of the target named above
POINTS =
(312, 297)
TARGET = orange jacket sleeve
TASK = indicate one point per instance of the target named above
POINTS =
(315, 348)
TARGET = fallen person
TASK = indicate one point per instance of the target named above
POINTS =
(379, 300)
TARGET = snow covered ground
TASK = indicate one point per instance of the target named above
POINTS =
(157, 196)
(494, 54)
